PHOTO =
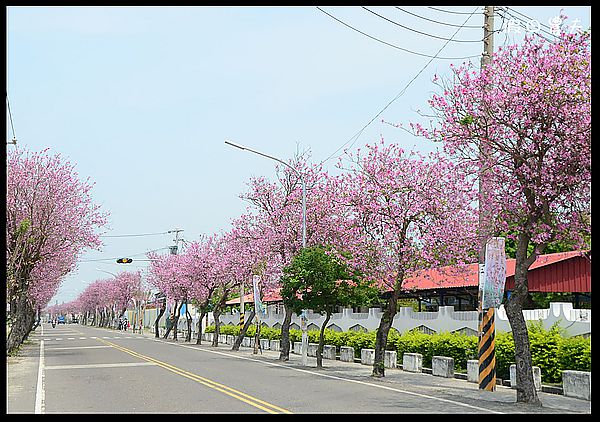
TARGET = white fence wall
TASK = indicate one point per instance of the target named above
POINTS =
(573, 321)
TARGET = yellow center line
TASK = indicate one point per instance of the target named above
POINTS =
(253, 401)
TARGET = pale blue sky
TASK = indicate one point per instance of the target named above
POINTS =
(141, 100)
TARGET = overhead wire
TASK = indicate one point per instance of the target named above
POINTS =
(392, 45)
(14, 139)
(114, 258)
(418, 32)
(438, 22)
(449, 11)
(134, 235)
(357, 135)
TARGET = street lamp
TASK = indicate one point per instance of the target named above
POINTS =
(303, 315)
(233, 144)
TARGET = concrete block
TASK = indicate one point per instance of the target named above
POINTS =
(390, 359)
(367, 356)
(264, 344)
(312, 349)
(473, 370)
(537, 377)
(442, 366)
(246, 342)
(275, 345)
(298, 347)
(577, 384)
(230, 339)
(329, 352)
(347, 354)
(412, 362)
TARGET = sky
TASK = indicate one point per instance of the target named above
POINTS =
(142, 98)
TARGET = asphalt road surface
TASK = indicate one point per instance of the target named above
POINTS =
(80, 369)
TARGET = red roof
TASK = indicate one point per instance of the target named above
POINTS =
(448, 277)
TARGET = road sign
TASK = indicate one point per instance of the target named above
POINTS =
(494, 274)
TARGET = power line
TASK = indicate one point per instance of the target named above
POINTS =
(392, 45)
(14, 139)
(414, 30)
(355, 136)
(114, 258)
(449, 11)
(136, 235)
(441, 23)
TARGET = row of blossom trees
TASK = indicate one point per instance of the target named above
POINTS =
(103, 301)
(50, 220)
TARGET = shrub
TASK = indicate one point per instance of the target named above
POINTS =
(550, 349)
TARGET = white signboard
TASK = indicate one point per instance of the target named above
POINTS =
(493, 277)
(258, 306)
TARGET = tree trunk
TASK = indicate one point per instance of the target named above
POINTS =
(238, 341)
(202, 315)
(160, 314)
(322, 341)
(176, 319)
(257, 337)
(216, 314)
(22, 321)
(284, 352)
(526, 392)
(382, 335)
(188, 318)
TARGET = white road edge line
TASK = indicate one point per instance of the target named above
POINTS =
(40, 393)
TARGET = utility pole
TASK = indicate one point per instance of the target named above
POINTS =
(486, 352)
(174, 249)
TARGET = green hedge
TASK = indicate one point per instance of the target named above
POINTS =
(550, 349)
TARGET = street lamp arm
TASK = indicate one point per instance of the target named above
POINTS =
(244, 148)
(233, 144)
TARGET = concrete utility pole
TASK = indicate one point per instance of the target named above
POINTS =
(486, 352)
(176, 240)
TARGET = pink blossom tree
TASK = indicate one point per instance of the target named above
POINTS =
(247, 247)
(529, 111)
(50, 220)
(277, 210)
(198, 264)
(413, 213)
(166, 274)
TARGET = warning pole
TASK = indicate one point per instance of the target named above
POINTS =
(487, 352)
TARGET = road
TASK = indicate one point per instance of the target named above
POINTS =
(80, 369)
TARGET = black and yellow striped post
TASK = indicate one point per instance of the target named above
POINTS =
(241, 320)
(486, 351)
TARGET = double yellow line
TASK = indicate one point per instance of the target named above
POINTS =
(252, 401)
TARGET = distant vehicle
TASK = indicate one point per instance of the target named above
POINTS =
(61, 319)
